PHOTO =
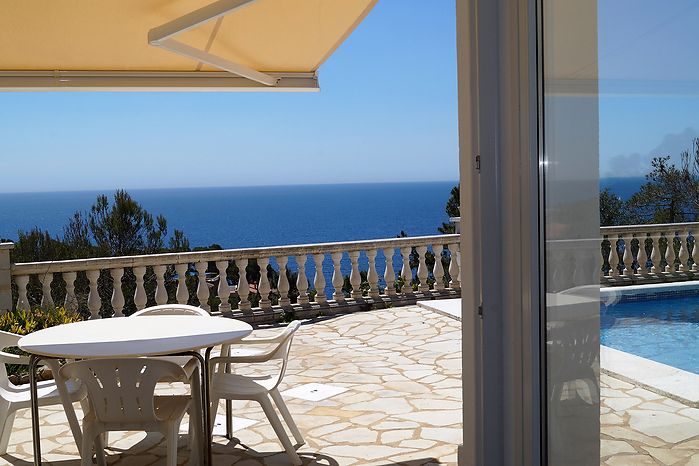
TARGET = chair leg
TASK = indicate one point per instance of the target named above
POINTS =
(7, 419)
(86, 447)
(268, 408)
(284, 410)
(172, 434)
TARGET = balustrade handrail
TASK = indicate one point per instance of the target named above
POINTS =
(79, 265)
(647, 228)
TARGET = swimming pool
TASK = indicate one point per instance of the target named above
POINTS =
(661, 326)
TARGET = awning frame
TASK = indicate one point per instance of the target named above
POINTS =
(162, 36)
(182, 81)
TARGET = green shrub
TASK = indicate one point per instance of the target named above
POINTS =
(22, 321)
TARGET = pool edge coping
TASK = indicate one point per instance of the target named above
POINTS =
(662, 379)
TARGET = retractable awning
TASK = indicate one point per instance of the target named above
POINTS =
(275, 45)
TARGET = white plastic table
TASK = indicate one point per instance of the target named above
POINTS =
(126, 337)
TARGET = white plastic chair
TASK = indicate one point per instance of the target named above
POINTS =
(14, 397)
(188, 363)
(122, 397)
(259, 388)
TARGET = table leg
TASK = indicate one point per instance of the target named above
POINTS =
(229, 419)
(34, 394)
(207, 404)
(205, 440)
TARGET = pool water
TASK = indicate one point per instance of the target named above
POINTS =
(664, 330)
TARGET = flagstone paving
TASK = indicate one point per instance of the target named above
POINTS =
(641, 427)
(402, 405)
(401, 368)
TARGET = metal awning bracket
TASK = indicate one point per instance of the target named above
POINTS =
(163, 36)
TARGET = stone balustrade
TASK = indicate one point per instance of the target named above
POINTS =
(254, 284)
(636, 254)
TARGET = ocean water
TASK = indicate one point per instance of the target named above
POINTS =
(238, 217)
(622, 187)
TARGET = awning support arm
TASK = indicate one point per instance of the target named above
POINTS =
(162, 36)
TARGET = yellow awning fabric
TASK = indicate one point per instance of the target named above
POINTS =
(104, 44)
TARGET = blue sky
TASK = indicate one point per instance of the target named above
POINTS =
(387, 111)
(649, 82)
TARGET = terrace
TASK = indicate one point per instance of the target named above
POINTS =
(401, 369)
(393, 368)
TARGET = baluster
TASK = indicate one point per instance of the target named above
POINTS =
(407, 272)
(613, 256)
(46, 299)
(602, 273)
(454, 266)
(182, 294)
(118, 300)
(243, 285)
(160, 290)
(438, 270)
(224, 291)
(389, 275)
(684, 253)
(202, 286)
(655, 254)
(355, 275)
(263, 287)
(22, 299)
(692, 252)
(93, 298)
(338, 280)
(422, 272)
(642, 253)
(283, 284)
(71, 301)
(302, 280)
(628, 255)
(372, 276)
(140, 298)
(670, 252)
(319, 279)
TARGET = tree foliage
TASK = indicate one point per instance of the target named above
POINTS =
(669, 195)
(452, 210)
(119, 228)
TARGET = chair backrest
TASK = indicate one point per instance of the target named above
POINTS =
(121, 390)
(7, 340)
(282, 351)
(172, 310)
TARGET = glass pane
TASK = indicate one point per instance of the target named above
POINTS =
(621, 191)
(571, 180)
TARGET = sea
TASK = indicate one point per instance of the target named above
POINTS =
(241, 217)
(622, 187)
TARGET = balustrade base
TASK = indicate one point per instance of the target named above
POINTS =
(647, 279)
(332, 307)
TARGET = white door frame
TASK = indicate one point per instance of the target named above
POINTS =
(499, 96)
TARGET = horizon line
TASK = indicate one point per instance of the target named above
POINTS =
(290, 185)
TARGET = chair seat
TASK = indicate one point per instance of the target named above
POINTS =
(243, 351)
(234, 385)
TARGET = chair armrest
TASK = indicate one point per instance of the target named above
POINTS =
(9, 358)
(258, 341)
(262, 357)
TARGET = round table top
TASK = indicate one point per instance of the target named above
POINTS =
(133, 336)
